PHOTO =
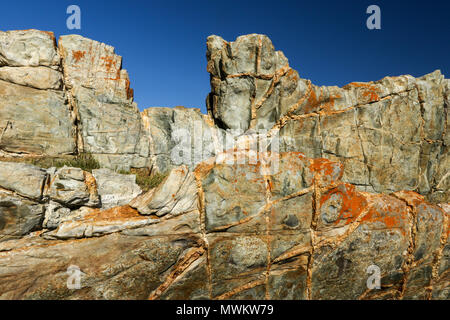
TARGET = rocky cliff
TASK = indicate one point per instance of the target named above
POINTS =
(285, 190)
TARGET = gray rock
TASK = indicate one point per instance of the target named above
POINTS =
(180, 136)
(18, 216)
(366, 126)
(106, 265)
(87, 222)
(177, 194)
(55, 213)
(110, 125)
(73, 187)
(28, 48)
(34, 122)
(36, 77)
(23, 179)
(115, 189)
(240, 78)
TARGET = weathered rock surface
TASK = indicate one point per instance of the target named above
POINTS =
(180, 136)
(18, 216)
(272, 235)
(107, 265)
(175, 195)
(34, 122)
(28, 48)
(37, 77)
(360, 181)
(115, 189)
(23, 179)
(110, 126)
(73, 187)
(366, 126)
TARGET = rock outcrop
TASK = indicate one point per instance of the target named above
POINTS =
(285, 190)
(390, 134)
(34, 115)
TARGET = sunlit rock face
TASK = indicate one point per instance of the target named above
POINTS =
(285, 190)
(390, 134)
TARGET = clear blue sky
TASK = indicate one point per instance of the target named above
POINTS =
(163, 42)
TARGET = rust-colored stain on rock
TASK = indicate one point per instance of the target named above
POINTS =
(78, 55)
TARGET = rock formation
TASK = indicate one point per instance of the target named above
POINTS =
(285, 190)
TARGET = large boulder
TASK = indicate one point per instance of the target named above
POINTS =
(68, 189)
(73, 187)
(243, 74)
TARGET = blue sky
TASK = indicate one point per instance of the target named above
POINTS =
(163, 42)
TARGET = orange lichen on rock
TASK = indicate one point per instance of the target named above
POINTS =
(312, 102)
(327, 171)
(204, 168)
(352, 203)
(113, 214)
(109, 62)
(130, 92)
(328, 105)
(410, 197)
(78, 55)
(90, 182)
(388, 211)
(369, 91)
(292, 75)
(322, 103)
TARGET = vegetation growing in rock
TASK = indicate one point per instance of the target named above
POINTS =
(87, 162)
(145, 181)
(84, 161)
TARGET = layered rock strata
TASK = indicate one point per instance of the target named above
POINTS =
(75, 97)
(285, 190)
(235, 231)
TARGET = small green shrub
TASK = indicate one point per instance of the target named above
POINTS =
(145, 181)
(84, 161)
(149, 182)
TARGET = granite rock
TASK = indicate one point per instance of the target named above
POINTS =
(366, 126)
(109, 123)
(180, 136)
(115, 189)
(176, 194)
(34, 122)
(18, 216)
(24, 179)
(73, 187)
(37, 77)
(285, 190)
(28, 48)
